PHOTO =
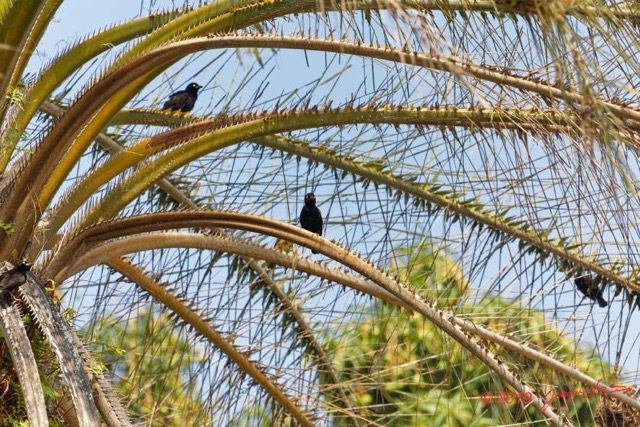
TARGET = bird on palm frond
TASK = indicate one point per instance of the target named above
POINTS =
(310, 216)
(183, 100)
(589, 289)
(17, 276)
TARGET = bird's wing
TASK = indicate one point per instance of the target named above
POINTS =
(171, 101)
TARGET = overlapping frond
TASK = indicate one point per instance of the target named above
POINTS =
(500, 133)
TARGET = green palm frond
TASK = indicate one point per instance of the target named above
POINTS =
(470, 160)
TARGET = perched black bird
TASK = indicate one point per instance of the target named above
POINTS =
(17, 276)
(183, 100)
(590, 290)
(310, 216)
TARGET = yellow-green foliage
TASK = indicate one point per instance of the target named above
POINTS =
(407, 372)
(152, 373)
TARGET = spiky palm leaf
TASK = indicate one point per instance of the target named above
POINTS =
(498, 129)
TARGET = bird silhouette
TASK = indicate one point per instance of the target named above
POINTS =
(17, 276)
(183, 100)
(310, 216)
(590, 290)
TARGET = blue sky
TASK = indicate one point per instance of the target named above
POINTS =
(77, 18)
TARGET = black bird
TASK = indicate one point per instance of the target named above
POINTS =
(590, 290)
(17, 276)
(310, 216)
(183, 100)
